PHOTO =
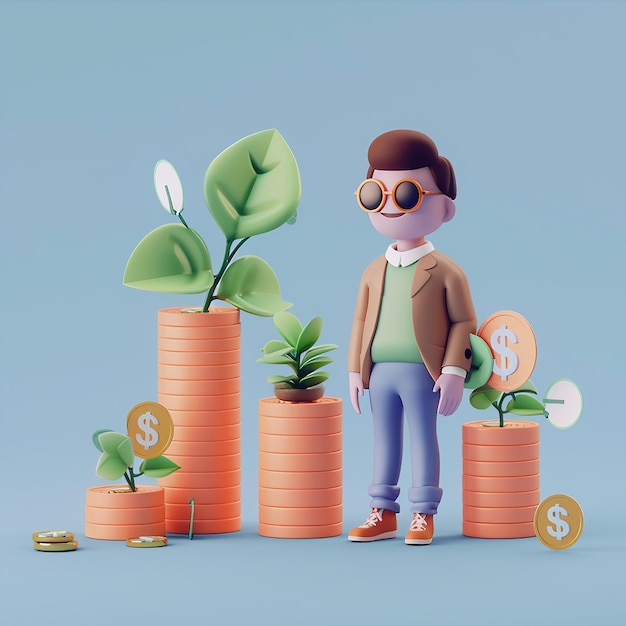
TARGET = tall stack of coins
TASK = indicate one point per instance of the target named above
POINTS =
(500, 479)
(300, 468)
(199, 383)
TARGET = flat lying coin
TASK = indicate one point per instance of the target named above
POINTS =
(154, 541)
(56, 547)
(53, 536)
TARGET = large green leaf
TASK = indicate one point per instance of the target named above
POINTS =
(483, 397)
(275, 345)
(97, 434)
(158, 467)
(288, 325)
(317, 350)
(313, 379)
(251, 285)
(525, 405)
(527, 387)
(170, 259)
(309, 335)
(314, 364)
(110, 466)
(253, 186)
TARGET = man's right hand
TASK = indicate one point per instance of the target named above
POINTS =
(355, 382)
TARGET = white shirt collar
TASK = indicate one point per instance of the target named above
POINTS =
(408, 257)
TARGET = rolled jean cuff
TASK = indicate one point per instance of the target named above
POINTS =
(425, 499)
(384, 497)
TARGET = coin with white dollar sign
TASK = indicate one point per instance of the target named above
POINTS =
(558, 522)
(150, 428)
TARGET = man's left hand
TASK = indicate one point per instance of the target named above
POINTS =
(451, 388)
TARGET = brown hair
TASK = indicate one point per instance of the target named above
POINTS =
(408, 150)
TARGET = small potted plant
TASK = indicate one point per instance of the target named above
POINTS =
(501, 476)
(250, 188)
(121, 512)
(300, 438)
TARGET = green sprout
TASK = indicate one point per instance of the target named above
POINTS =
(252, 187)
(298, 351)
(117, 459)
(520, 401)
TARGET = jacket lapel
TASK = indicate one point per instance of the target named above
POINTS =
(422, 274)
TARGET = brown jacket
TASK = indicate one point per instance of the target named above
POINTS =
(443, 315)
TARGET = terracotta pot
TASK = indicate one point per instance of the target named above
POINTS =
(121, 516)
(300, 468)
(199, 383)
(500, 479)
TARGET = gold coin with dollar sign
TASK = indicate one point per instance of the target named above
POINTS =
(514, 347)
(558, 521)
(150, 428)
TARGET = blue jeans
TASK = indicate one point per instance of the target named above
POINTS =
(400, 390)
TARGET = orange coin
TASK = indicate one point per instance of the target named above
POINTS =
(514, 347)
(193, 316)
(300, 426)
(474, 452)
(121, 497)
(300, 497)
(151, 515)
(300, 480)
(210, 449)
(192, 359)
(199, 372)
(207, 433)
(200, 403)
(203, 527)
(300, 444)
(150, 428)
(300, 516)
(501, 468)
(499, 515)
(122, 532)
(199, 387)
(504, 500)
(202, 480)
(220, 417)
(513, 433)
(299, 532)
(226, 510)
(199, 345)
(207, 463)
(297, 462)
(218, 495)
(199, 333)
(324, 407)
(497, 484)
(498, 531)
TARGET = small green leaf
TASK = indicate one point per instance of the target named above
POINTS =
(275, 345)
(110, 466)
(313, 379)
(526, 405)
(95, 436)
(117, 445)
(483, 397)
(170, 259)
(313, 365)
(277, 359)
(317, 350)
(527, 387)
(253, 186)
(158, 467)
(309, 335)
(288, 325)
(281, 379)
(250, 284)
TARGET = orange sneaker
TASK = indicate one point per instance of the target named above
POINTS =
(421, 530)
(381, 524)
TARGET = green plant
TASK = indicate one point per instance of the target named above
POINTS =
(520, 401)
(118, 459)
(298, 351)
(252, 187)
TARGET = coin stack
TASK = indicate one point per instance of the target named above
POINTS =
(500, 479)
(300, 468)
(199, 383)
(54, 541)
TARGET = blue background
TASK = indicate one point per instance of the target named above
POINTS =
(527, 100)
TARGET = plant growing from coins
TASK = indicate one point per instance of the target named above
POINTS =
(252, 187)
(150, 429)
(298, 351)
(520, 401)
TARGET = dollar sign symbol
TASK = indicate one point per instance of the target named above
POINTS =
(508, 357)
(562, 527)
(145, 425)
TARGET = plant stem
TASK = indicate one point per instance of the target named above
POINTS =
(130, 479)
(228, 257)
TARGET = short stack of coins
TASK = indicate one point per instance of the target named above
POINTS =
(300, 468)
(500, 479)
(199, 383)
(54, 541)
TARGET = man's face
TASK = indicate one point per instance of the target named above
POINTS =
(434, 210)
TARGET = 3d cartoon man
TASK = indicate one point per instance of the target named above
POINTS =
(409, 343)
